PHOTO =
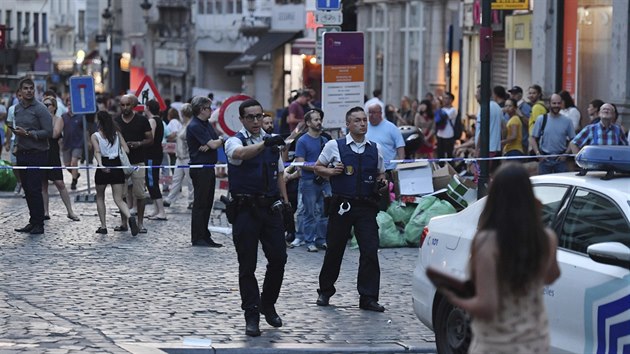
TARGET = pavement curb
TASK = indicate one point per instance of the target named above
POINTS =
(277, 348)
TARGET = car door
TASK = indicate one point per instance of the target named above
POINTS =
(589, 305)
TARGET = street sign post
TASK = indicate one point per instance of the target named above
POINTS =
(318, 42)
(328, 4)
(82, 94)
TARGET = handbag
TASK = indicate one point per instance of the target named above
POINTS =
(124, 160)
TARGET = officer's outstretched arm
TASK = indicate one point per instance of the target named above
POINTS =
(248, 152)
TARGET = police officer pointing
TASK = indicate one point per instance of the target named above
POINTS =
(354, 165)
(255, 175)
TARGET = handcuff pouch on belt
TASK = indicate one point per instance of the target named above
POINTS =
(331, 204)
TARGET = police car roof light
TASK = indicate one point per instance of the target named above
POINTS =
(604, 158)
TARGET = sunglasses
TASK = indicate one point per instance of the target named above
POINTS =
(251, 117)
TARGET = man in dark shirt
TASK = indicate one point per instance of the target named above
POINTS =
(203, 143)
(33, 127)
(136, 130)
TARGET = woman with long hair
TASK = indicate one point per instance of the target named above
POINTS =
(106, 144)
(513, 256)
(154, 157)
(54, 159)
(425, 121)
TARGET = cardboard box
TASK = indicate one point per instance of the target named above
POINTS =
(413, 179)
(442, 175)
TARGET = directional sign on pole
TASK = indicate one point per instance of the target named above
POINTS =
(318, 40)
(328, 4)
(82, 94)
(147, 91)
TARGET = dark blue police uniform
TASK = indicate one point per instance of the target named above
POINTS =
(254, 187)
(356, 186)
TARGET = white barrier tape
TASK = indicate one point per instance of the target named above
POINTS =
(466, 160)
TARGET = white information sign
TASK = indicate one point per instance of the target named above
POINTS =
(329, 17)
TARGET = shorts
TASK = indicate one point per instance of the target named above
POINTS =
(137, 181)
(69, 154)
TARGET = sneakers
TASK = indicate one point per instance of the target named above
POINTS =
(311, 248)
(297, 243)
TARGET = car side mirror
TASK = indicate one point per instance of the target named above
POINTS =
(613, 253)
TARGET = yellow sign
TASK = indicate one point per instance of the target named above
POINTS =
(510, 4)
(518, 32)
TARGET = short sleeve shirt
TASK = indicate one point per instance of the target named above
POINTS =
(134, 131)
(330, 153)
(234, 143)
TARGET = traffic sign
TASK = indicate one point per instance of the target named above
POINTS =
(82, 94)
(328, 4)
(320, 33)
(147, 91)
(229, 118)
(329, 17)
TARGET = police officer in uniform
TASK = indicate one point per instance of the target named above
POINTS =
(255, 175)
(356, 171)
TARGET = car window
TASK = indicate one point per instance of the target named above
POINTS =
(592, 218)
(551, 199)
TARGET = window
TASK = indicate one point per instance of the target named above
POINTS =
(36, 28)
(81, 31)
(8, 22)
(230, 7)
(218, 6)
(592, 218)
(44, 29)
(210, 7)
(413, 49)
(201, 4)
(19, 27)
(27, 27)
(551, 198)
(377, 30)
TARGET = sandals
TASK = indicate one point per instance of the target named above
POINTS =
(121, 228)
(73, 217)
(101, 230)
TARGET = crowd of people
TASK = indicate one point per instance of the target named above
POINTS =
(334, 186)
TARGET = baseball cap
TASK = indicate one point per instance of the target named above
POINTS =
(516, 89)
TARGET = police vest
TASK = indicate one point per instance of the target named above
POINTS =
(360, 171)
(257, 176)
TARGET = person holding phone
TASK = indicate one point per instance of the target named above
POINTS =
(513, 256)
(33, 128)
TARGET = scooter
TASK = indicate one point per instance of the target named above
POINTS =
(414, 138)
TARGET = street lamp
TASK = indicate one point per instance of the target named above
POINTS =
(107, 16)
(146, 6)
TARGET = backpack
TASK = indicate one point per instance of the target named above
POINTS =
(441, 119)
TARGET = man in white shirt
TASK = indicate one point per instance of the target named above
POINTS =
(375, 100)
(446, 137)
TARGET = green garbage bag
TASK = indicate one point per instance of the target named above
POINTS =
(388, 234)
(399, 212)
(7, 178)
(428, 208)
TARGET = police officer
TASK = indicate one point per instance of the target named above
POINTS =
(354, 165)
(256, 184)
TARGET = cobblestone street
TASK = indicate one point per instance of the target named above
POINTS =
(71, 290)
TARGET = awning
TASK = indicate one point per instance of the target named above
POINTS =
(243, 63)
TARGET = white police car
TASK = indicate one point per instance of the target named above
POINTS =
(589, 305)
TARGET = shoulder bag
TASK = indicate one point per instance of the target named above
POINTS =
(124, 159)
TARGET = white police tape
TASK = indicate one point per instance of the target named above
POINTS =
(466, 160)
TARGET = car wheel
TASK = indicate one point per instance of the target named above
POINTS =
(452, 329)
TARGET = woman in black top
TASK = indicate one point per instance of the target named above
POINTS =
(154, 156)
(54, 160)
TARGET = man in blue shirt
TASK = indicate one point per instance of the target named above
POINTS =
(387, 135)
(313, 188)
(203, 143)
(603, 132)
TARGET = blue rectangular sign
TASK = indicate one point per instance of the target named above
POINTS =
(82, 94)
(328, 4)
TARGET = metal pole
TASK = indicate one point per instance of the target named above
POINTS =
(485, 46)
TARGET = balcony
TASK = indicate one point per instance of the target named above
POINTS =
(254, 26)
(184, 4)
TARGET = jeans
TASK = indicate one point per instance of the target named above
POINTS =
(314, 221)
(548, 166)
(32, 183)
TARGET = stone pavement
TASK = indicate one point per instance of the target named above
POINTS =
(74, 291)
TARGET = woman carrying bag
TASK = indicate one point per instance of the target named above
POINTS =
(107, 143)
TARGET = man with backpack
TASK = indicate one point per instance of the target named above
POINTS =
(448, 128)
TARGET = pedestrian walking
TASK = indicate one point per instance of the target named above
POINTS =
(33, 127)
(136, 131)
(255, 172)
(54, 160)
(107, 143)
(354, 165)
(72, 143)
(181, 176)
(203, 143)
(154, 155)
(512, 257)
